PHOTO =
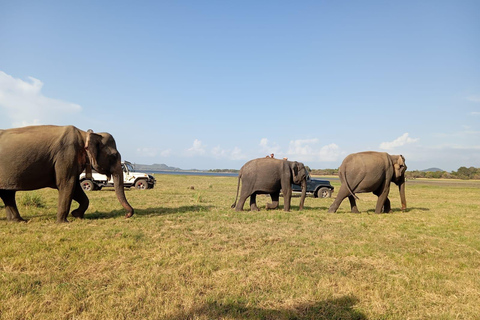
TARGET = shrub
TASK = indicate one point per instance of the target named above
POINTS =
(32, 200)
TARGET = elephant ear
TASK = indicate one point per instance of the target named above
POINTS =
(400, 167)
(92, 143)
(295, 169)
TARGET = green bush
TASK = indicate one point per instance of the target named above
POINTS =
(32, 200)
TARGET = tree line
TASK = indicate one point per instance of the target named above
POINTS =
(462, 173)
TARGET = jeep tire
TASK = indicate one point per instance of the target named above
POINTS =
(87, 185)
(141, 184)
(323, 193)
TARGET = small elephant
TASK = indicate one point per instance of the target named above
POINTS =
(371, 172)
(53, 156)
(269, 176)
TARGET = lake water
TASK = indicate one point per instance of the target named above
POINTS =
(215, 174)
(196, 173)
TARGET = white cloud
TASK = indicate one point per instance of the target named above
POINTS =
(400, 141)
(197, 149)
(330, 152)
(475, 113)
(473, 98)
(166, 153)
(152, 152)
(267, 147)
(308, 150)
(24, 104)
(235, 154)
(218, 152)
(301, 147)
(147, 152)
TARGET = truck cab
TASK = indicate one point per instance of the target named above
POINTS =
(317, 187)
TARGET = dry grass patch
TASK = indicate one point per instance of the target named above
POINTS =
(186, 255)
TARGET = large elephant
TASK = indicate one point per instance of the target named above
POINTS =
(269, 176)
(52, 156)
(371, 172)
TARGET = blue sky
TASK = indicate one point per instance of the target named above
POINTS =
(213, 84)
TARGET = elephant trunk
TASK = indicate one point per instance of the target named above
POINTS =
(403, 199)
(120, 192)
(304, 193)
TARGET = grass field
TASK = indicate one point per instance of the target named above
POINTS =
(186, 255)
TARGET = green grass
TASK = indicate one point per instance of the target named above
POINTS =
(186, 255)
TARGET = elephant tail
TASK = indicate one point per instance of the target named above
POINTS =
(238, 187)
(344, 176)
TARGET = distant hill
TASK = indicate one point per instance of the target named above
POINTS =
(432, 170)
(155, 167)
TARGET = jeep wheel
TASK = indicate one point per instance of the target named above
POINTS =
(141, 184)
(324, 193)
(87, 185)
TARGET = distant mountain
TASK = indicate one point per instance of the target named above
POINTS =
(155, 167)
(432, 170)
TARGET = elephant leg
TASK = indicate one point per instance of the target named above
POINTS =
(287, 194)
(382, 198)
(65, 197)
(387, 207)
(8, 197)
(342, 194)
(82, 200)
(275, 200)
(241, 201)
(353, 204)
(253, 202)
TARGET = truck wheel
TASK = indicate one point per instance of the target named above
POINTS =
(141, 184)
(87, 185)
(323, 193)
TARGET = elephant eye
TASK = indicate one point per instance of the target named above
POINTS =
(113, 157)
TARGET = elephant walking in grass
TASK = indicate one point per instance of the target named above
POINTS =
(52, 156)
(269, 176)
(371, 172)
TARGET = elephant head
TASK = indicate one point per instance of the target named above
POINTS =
(400, 167)
(299, 175)
(104, 158)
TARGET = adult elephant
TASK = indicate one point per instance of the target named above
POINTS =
(371, 172)
(52, 156)
(269, 176)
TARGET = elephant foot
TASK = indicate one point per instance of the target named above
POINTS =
(355, 210)
(254, 208)
(78, 214)
(19, 219)
(62, 221)
(271, 206)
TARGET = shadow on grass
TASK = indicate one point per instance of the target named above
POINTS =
(148, 212)
(341, 308)
(312, 208)
(398, 210)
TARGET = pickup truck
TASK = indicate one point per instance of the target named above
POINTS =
(131, 178)
(319, 188)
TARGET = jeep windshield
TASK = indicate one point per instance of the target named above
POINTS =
(127, 167)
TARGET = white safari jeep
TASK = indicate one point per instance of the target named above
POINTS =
(131, 178)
